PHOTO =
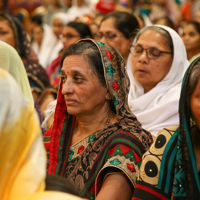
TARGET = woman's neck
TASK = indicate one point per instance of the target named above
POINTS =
(192, 53)
(90, 124)
(87, 125)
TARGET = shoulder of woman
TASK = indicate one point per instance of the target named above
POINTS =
(163, 137)
(170, 130)
(151, 160)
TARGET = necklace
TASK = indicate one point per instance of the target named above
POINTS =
(109, 119)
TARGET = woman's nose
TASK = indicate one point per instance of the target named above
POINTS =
(144, 56)
(63, 41)
(67, 88)
(103, 39)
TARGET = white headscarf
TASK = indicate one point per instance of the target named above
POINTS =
(50, 46)
(147, 21)
(49, 40)
(158, 108)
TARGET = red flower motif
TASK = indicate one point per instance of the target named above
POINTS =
(80, 150)
(115, 86)
(109, 55)
(131, 167)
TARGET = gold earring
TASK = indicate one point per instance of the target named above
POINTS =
(108, 97)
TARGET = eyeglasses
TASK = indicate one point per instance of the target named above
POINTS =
(152, 52)
(68, 36)
(109, 36)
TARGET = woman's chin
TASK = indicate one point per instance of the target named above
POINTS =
(72, 111)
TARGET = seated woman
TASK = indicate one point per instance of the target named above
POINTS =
(158, 64)
(51, 43)
(191, 39)
(13, 33)
(171, 167)
(95, 142)
(22, 153)
(118, 30)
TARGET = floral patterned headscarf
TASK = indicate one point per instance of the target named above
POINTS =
(118, 85)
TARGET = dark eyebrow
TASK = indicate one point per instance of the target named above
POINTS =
(73, 72)
(138, 44)
(107, 32)
(76, 72)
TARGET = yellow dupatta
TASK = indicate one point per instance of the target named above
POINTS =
(11, 62)
(22, 154)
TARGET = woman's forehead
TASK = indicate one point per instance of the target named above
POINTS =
(77, 62)
(152, 38)
(4, 21)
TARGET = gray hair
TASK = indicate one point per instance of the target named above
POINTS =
(162, 32)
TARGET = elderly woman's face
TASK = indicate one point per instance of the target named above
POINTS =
(149, 72)
(195, 104)
(114, 37)
(82, 90)
(6, 33)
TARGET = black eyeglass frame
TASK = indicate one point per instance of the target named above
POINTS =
(132, 46)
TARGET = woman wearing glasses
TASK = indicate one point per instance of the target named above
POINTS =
(158, 61)
(170, 169)
(118, 30)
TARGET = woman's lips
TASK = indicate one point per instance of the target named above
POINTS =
(141, 71)
(70, 102)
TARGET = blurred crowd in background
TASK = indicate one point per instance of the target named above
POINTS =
(40, 17)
